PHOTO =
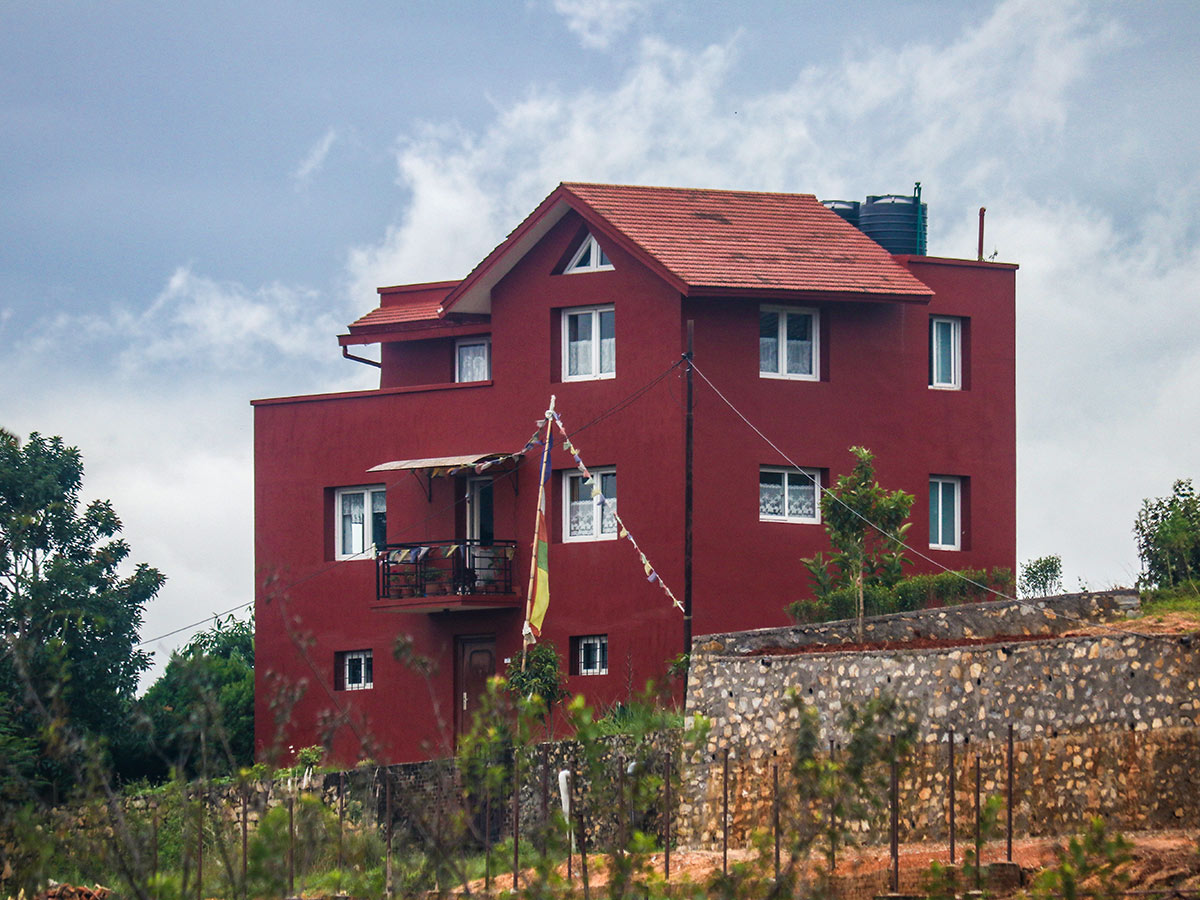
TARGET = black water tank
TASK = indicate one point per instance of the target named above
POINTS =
(895, 222)
(847, 209)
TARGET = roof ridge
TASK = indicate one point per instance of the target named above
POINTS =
(681, 190)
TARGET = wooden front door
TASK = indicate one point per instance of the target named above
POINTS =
(476, 663)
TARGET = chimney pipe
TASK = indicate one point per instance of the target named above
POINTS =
(982, 210)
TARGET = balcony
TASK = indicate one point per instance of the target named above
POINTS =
(445, 576)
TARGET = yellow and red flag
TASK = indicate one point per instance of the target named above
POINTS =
(539, 566)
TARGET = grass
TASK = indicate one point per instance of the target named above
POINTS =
(1182, 599)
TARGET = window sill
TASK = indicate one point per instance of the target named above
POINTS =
(945, 387)
(608, 376)
(782, 377)
(786, 521)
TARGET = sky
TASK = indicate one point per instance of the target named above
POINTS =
(196, 198)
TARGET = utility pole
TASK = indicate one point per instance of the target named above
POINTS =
(687, 497)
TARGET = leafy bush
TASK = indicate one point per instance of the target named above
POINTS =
(1041, 577)
(906, 595)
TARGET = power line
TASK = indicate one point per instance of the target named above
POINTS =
(277, 592)
(933, 562)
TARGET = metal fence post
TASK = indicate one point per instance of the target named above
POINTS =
(200, 849)
(387, 831)
(667, 814)
(775, 813)
(341, 819)
(952, 823)
(1010, 793)
(978, 823)
(516, 816)
(832, 818)
(545, 842)
(894, 830)
(725, 816)
(291, 846)
(245, 828)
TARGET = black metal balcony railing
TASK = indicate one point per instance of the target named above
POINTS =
(444, 567)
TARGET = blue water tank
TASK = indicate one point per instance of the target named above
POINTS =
(847, 209)
(895, 222)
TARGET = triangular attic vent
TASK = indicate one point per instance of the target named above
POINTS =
(589, 258)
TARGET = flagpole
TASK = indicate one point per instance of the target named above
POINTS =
(541, 499)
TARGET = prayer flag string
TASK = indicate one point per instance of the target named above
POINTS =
(622, 532)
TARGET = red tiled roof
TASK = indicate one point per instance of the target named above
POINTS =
(743, 240)
(407, 303)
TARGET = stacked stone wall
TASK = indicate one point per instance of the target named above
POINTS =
(1105, 724)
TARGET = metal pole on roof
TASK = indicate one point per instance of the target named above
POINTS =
(687, 501)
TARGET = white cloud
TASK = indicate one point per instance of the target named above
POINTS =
(196, 320)
(1106, 351)
(314, 160)
(597, 22)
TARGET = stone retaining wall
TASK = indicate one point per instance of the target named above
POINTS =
(1077, 704)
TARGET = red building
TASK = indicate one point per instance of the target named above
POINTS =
(372, 521)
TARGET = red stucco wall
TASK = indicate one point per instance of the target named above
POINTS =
(873, 392)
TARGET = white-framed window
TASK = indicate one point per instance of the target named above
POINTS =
(789, 495)
(473, 359)
(945, 512)
(355, 670)
(361, 519)
(589, 343)
(945, 353)
(590, 257)
(590, 506)
(789, 343)
(591, 654)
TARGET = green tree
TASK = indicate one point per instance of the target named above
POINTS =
(1167, 530)
(69, 619)
(200, 712)
(1041, 577)
(866, 527)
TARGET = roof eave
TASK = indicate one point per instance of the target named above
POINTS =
(772, 293)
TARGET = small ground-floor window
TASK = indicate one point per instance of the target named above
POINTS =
(354, 670)
(589, 654)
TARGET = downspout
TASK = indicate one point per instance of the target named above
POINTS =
(362, 359)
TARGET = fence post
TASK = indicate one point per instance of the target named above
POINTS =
(154, 844)
(200, 848)
(725, 816)
(952, 823)
(487, 826)
(832, 818)
(895, 818)
(978, 823)
(582, 851)
(775, 813)
(387, 831)
(516, 815)
(667, 813)
(245, 826)
(545, 842)
(1010, 792)
(570, 812)
(292, 845)
(341, 819)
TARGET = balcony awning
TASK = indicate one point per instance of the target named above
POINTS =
(435, 462)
